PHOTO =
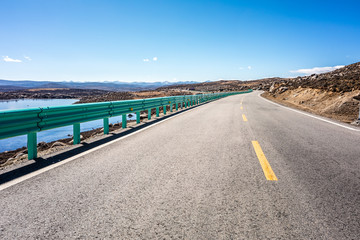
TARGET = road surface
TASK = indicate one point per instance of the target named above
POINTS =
(237, 168)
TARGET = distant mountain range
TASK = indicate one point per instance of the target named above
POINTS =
(9, 85)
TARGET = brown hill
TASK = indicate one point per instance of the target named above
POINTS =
(224, 85)
(345, 79)
(51, 93)
(334, 94)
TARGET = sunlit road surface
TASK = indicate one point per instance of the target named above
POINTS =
(236, 168)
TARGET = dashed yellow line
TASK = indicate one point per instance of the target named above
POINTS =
(244, 118)
(241, 108)
(269, 174)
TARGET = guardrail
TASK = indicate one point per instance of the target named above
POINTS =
(30, 121)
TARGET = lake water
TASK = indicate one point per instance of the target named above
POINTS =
(49, 135)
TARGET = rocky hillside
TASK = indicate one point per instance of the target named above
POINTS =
(334, 94)
(225, 85)
(345, 79)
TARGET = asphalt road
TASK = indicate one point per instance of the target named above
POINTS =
(198, 176)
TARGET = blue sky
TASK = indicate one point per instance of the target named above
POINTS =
(86, 40)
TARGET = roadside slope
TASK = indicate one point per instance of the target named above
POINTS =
(334, 94)
(340, 106)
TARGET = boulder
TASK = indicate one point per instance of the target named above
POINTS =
(357, 97)
(282, 89)
(20, 155)
(42, 144)
(57, 144)
(272, 88)
(356, 122)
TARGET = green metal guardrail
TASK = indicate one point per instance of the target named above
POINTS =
(30, 121)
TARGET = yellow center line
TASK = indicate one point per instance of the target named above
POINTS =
(269, 174)
(244, 118)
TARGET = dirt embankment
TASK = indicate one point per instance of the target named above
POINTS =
(334, 94)
(339, 106)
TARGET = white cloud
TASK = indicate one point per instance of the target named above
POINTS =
(7, 59)
(155, 58)
(316, 70)
(146, 60)
(248, 67)
(28, 58)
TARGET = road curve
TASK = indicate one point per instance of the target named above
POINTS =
(200, 175)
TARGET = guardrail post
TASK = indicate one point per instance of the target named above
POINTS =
(32, 145)
(106, 125)
(164, 110)
(171, 107)
(177, 106)
(138, 117)
(123, 122)
(157, 111)
(76, 133)
(149, 114)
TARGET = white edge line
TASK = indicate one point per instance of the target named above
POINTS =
(45, 169)
(309, 115)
